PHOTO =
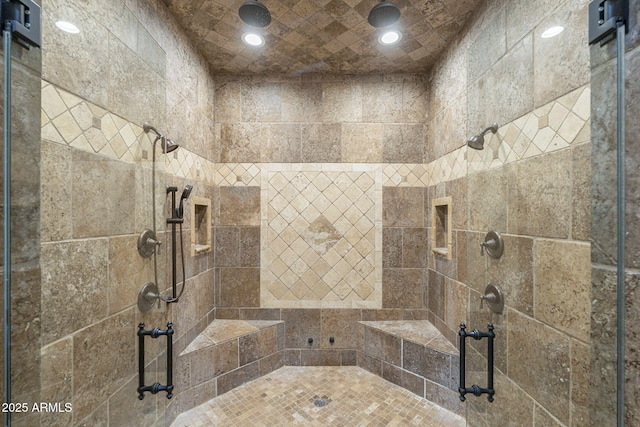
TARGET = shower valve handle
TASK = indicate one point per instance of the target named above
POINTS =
(488, 244)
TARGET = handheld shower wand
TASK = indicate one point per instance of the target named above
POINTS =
(185, 196)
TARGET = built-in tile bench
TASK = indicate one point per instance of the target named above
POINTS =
(228, 353)
(414, 355)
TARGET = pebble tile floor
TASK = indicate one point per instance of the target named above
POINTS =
(286, 397)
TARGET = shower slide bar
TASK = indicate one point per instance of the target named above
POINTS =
(155, 388)
(476, 390)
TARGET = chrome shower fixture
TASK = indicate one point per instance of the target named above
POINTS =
(477, 141)
(254, 14)
(168, 145)
(383, 14)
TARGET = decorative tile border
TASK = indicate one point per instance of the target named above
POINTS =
(321, 236)
(554, 126)
(70, 120)
(237, 175)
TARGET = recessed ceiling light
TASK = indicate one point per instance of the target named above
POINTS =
(390, 37)
(253, 39)
(67, 27)
(552, 32)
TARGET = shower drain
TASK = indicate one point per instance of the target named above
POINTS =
(320, 402)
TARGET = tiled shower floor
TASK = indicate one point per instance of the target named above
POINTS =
(286, 397)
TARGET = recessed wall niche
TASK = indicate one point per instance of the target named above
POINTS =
(200, 225)
(441, 214)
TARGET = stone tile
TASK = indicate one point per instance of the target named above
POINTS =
(257, 345)
(127, 70)
(227, 246)
(240, 142)
(383, 346)
(320, 358)
(301, 324)
(74, 285)
(301, 102)
(271, 363)
(221, 330)
(213, 361)
(341, 102)
(581, 193)
(552, 77)
(415, 248)
(235, 378)
(240, 287)
(349, 358)
(489, 46)
(562, 286)
(240, 206)
(382, 102)
(444, 397)
(457, 298)
(522, 17)
(261, 102)
(426, 362)
(99, 206)
(402, 207)
(414, 101)
(126, 267)
(402, 288)
(487, 195)
(603, 176)
(102, 361)
(436, 290)
(260, 314)
(370, 364)
(633, 160)
(281, 143)
(339, 324)
(249, 247)
(228, 102)
(403, 143)
(56, 380)
(391, 247)
(321, 143)
(123, 410)
(513, 273)
(457, 189)
(55, 192)
(540, 190)
(99, 417)
(580, 385)
(505, 92)
(379, 315)
(77, 63)
(362, 142)
(539, 362)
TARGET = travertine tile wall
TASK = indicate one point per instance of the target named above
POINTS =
(531, 184)
(603, 221)
(296, 138)
(129, 64)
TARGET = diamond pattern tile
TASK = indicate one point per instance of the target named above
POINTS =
(321, 36)
(551, 127)
(322, 242)
(67, 119)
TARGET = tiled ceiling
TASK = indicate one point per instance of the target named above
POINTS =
(322, 36)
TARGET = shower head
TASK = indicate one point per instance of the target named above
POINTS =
(254, 14)
(383, 14)
(477, 141)
(168, 145)
(185, 195)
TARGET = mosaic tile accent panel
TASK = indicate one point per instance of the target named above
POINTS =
(555, 126)
(70, 120)
(321, 236)
(289, 395)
